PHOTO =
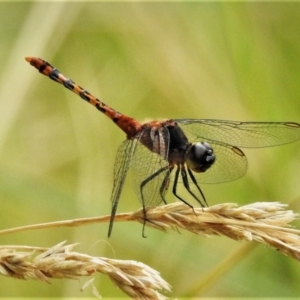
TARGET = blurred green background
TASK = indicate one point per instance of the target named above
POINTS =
(237, 61)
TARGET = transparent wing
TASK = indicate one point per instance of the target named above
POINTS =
(231, 164)
(123, 159)
(151, 169)
(242, 134)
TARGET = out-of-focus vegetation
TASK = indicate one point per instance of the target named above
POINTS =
(236, 61)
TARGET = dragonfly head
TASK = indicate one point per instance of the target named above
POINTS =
(200, 157)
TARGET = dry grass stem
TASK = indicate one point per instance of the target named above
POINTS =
(264, 222)
(134, 278)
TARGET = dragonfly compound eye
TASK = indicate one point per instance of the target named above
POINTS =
(200, 157)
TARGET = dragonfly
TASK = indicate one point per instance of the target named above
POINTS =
(194, 151)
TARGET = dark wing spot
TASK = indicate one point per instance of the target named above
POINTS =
(237, 151)
(292, 124)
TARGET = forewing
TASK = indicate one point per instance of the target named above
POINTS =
(124, 157)
(150, 169)
(242, 134)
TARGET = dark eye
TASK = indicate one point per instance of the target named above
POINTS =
(200, 157)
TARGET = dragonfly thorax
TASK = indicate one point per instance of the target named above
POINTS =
(200, 157)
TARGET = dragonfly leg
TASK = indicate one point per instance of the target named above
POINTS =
(161, 190)
(165, 184)
(151, 177)
(175, 188)
(145, 220)
(196, 184)
(187, 186)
